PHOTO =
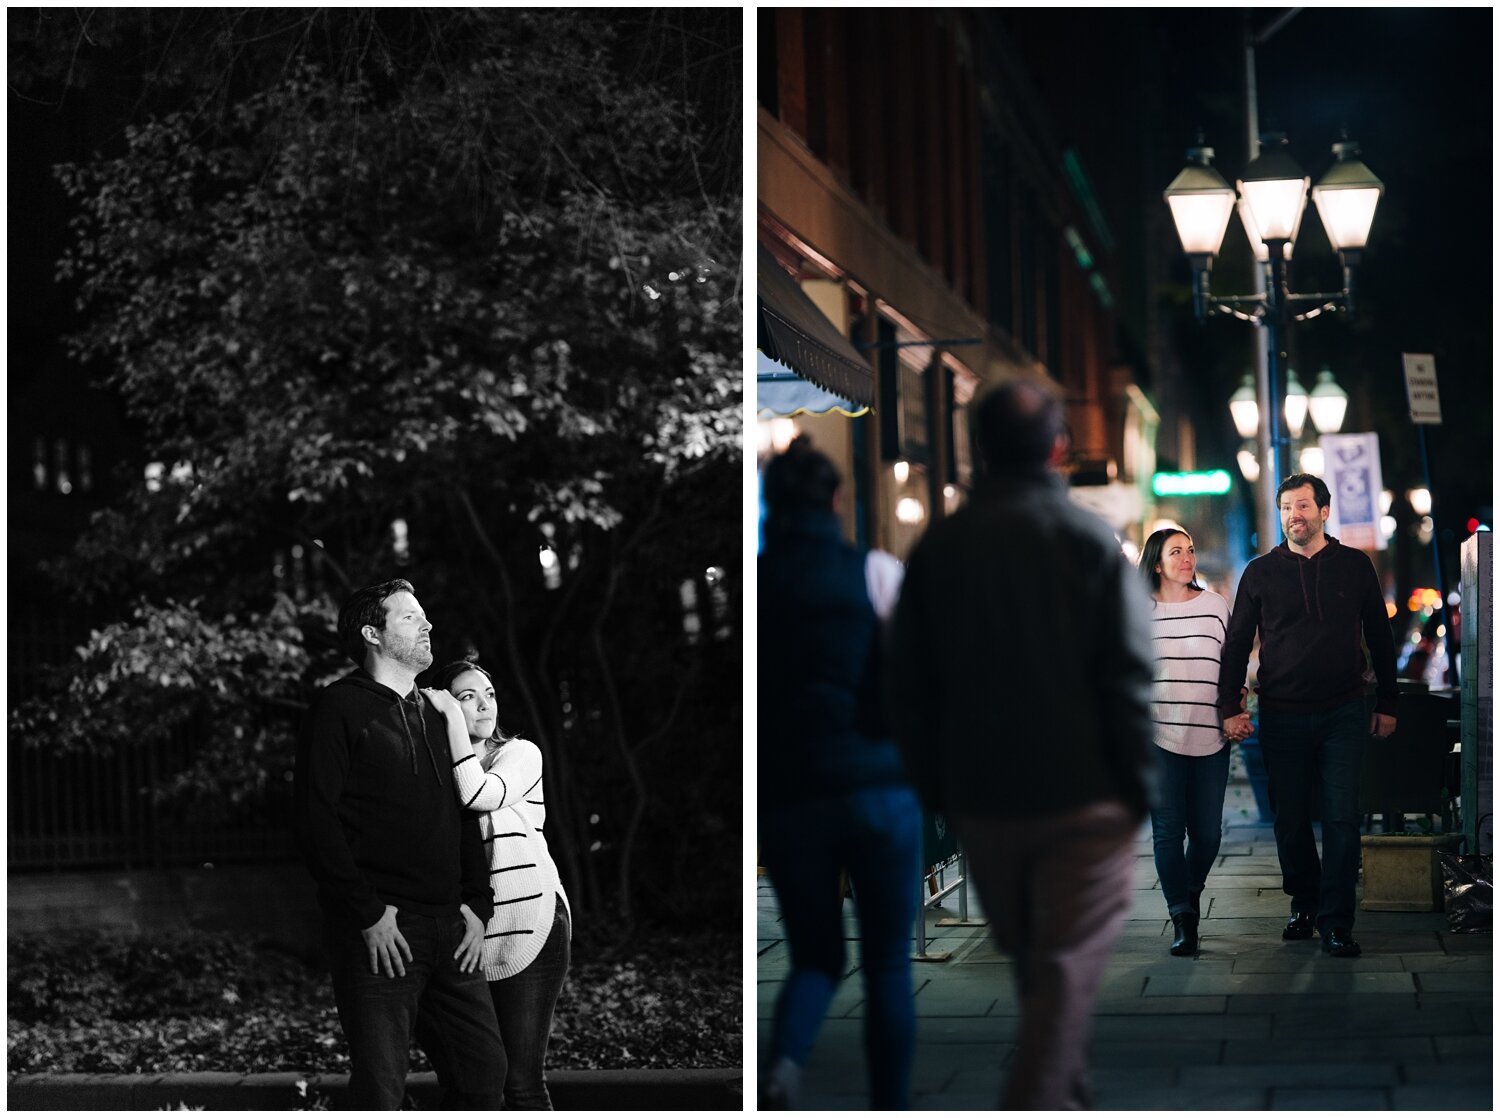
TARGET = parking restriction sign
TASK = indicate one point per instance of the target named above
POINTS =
(1421, 387)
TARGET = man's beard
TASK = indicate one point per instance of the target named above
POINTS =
(414, 654)
(1305, 533)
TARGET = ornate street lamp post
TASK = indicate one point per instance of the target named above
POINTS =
(1272, 197)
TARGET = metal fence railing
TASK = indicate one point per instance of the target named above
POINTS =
(78, 812)
(68, 812)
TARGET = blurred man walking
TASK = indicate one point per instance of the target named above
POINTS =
(1021, 698)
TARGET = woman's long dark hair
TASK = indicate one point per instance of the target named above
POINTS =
(1156, 543)
(444, 678)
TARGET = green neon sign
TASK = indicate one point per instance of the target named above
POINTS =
(1196, 483)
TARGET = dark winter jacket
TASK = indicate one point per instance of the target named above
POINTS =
(1022, 663)
(378, 819)
(1311, 612)
(821, 719)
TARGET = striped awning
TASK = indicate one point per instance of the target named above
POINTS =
(781, 392)
(794, 332)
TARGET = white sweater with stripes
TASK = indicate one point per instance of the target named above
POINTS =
(523, 877)
(1188, 639)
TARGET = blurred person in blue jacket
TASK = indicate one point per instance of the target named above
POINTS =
(833, 794)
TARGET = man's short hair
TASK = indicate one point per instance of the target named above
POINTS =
(799, 477)
(365, 606)
(1016, 424)
(1321, 495)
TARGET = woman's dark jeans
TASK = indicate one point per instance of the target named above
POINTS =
(875, 834)
(523, 1007)
(1313, 763)
(447, 1010)
(1191, 803)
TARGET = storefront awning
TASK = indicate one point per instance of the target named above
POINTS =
(794, 332)
(781, 392)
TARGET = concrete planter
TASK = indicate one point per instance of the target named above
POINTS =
(1401, 872)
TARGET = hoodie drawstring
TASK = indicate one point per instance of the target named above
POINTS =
(422, 721)
(411, 746)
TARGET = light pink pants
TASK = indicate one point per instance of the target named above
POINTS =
(1055, 889)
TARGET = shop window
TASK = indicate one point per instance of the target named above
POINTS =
(61, 475)
(692, 623)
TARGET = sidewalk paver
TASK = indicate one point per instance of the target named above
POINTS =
(1251, 1023)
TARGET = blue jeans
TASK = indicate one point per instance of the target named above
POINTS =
(448, 1011)
(1316, 757)
(1191, 803)
(875, 834)
(523, 1007)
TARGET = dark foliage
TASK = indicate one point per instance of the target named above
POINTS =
(195, 1001)
(428, 292)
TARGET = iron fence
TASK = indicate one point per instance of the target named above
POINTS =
(74, 812)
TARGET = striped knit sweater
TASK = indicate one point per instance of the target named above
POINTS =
(523, 877)
(1188, 638)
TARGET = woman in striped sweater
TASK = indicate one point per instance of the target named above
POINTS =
(527, 942)
(1188, 624)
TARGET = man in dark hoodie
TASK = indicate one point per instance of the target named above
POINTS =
(401, 870)
(1311, 598)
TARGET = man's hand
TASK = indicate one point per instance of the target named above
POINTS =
(473, 942)
(1382, 725)
(1239, 727)
(386, 945)
(446, 704)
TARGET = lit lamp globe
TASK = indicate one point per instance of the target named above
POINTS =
(1296, 405)
(1200, 201)
(1346, 198)
(1252, 233)
(1249, 464)
(1275, 190)
(1244, 408)
(1327, 404)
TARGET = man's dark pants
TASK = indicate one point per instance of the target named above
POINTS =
(448, 1011)
(1305, 752)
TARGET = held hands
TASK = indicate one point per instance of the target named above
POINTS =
(473, 942)
(386, 945)
(1382, 725)
(1239, 727)
(446, 704)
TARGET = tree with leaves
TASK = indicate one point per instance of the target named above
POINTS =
(441, 312)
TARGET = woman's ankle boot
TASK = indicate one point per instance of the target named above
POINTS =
(1185, 940)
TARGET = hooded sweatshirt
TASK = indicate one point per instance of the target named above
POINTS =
(377, 815)
(1310, 611)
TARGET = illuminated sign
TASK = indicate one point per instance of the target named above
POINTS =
(1198, 483)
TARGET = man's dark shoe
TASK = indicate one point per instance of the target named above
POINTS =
(1300, 926)
(1185, 942)
(1338, 941)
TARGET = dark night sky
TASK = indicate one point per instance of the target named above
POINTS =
(1413, 87)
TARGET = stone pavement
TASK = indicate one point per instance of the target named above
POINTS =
(692, 1090)
(1252, 1023)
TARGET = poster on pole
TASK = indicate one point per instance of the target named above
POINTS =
(1421, 388)
(1351, 467)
